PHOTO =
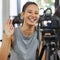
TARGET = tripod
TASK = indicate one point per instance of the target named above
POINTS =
(50, 45)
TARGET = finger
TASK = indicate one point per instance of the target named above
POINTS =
(6, 24)
(11, 26)
(11, 22)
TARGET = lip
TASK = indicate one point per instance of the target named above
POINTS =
(31, 19)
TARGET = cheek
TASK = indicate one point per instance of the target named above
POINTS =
(26, 16)
(37, 19)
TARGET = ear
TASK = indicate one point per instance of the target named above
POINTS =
(22, 15)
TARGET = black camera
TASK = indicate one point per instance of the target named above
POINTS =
(49, 21)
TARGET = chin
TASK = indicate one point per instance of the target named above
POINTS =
(31, 24)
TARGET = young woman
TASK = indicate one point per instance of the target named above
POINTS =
(22, 41)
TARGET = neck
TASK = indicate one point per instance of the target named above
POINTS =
(27, 30)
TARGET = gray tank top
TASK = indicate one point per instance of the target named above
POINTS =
(24, 48)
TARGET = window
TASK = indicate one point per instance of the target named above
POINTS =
(46, 4)
(13, 7)
(22, 3)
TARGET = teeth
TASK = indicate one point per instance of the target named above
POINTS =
(32, 20)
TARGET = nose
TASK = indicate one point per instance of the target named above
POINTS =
(33, 15)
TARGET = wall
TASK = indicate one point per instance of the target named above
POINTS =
(5, 10)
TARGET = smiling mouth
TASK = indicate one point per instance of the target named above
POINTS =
(32, 19)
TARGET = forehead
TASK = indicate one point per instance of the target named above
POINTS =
(32, 7)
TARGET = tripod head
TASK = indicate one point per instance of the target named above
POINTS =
(50, 38)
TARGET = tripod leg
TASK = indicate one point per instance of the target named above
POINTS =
(48, 52)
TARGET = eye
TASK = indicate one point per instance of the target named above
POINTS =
(36, 13)
(29, 12)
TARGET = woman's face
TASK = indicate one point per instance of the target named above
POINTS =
(31, 15)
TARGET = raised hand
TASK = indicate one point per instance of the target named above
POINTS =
(8, 28)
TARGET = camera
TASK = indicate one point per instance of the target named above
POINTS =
(49, 21)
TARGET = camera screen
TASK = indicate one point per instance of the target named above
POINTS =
(46, 23)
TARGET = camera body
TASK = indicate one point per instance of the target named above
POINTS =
(49, 21)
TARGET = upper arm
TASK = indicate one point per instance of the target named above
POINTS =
(12, 40)
(41, 46)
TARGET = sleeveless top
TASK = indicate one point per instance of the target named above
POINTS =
(24, 48)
